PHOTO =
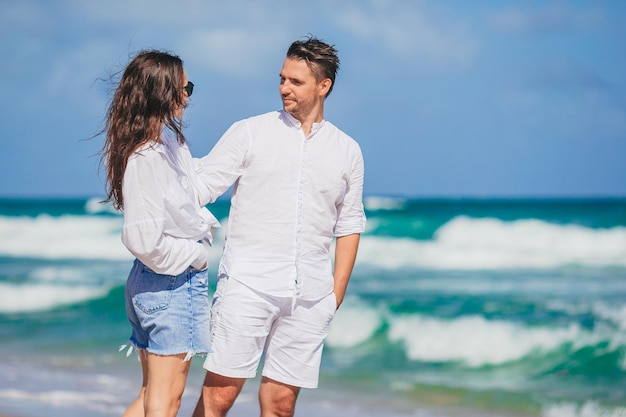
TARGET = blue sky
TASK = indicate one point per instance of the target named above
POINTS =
(446, 98)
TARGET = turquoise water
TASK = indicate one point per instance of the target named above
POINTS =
(456, 307)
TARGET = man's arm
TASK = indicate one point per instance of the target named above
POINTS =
(218, 170)
(345, 255)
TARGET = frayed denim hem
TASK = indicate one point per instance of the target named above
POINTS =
(130, 346)
(129, 349)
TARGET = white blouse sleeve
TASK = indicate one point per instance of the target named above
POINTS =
(144, 188)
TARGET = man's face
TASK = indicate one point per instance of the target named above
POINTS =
(299, 90)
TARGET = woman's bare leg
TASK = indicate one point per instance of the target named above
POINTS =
(136, 408)
(166, 380)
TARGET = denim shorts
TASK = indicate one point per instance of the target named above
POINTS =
(169, 315)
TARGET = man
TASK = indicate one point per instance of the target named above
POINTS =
(298, 184)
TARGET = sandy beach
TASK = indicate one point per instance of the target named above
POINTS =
(326, 401)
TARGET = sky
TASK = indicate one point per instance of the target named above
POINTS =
(446, 98)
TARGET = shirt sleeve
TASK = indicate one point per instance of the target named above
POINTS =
(350, 213)
(144, 187)
(224, 164)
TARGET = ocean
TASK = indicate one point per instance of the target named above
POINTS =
(456, 307)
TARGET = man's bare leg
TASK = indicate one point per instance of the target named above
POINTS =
(218, 395)
(277, 399)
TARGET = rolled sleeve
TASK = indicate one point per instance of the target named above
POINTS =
(351, 215)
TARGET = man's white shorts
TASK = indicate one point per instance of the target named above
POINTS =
(245, 321)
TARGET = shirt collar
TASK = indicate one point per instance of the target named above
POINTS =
(168, 140)
(292, 121)
(169, 145)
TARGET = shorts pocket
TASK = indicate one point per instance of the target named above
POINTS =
(332, 305)
(216, 302)
(153, 292)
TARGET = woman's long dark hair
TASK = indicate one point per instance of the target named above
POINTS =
(148, 98)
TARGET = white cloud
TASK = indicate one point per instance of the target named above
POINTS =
(182, 15)
(237, 39)
(234, 52)
(549, 19)
(428, 40)
(155, 12)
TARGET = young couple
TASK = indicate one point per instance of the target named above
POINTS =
(299, 182)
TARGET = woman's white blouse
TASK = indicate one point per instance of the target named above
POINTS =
(164, 222)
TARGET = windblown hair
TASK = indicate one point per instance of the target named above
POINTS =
(147, 99)
(321, 58)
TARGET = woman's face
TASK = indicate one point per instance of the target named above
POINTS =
(180, 111)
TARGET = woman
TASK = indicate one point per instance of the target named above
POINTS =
(151, 177)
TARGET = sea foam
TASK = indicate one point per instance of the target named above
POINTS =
(586, 409)
(95, 205)
(74, 237)
(475, 341)
(466, 243)
(354, 323)
(20, 298)
(472, 340)
(463, 243)
(69, 237)
(384, 203)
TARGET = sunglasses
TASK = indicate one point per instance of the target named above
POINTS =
(189, 88)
